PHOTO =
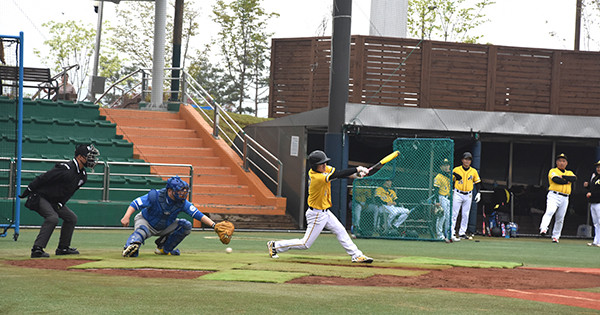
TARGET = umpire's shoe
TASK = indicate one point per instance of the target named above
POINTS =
(67, 251)
(38, 252)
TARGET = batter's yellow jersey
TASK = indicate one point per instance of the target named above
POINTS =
(386, 195)
(561, 188)
(319, 188)
(442, 183)
(469, 178)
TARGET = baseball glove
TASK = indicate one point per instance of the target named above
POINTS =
(225, 230)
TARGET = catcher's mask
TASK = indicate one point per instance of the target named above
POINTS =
(89, 152)
(179, 187)
(317, 157)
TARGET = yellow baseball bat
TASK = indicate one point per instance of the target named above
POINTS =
(386, 159)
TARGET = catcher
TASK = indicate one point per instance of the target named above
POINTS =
(158, 216)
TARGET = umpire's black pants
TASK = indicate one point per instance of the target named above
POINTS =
(51, 220)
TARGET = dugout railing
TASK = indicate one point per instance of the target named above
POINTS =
(254, 156)
(104, 176)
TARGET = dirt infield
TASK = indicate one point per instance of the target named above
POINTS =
(551, 285)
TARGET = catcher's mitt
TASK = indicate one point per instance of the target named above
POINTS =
(225, 230)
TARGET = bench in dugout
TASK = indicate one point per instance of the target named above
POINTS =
(43, 81)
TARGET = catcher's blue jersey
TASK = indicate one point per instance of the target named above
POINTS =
(160, 210)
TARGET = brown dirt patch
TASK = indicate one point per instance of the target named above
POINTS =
(457, 277)
(63, 264)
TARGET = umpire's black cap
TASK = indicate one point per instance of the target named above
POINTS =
(562, 156)
(82, 149)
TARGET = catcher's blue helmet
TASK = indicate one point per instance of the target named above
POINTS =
(180, 187)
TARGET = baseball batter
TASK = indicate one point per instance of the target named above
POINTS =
(594, 197)
(318, 215)
(442, 183)
(465, 178)
(557, 200)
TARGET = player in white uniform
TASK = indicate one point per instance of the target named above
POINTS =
(557, 200)
(465, 178)
(594, 197)
(318, 215)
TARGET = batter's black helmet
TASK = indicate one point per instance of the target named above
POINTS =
(317, 157)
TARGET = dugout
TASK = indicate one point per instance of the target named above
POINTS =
(516, 150)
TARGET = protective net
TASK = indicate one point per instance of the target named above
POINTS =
(410, 196)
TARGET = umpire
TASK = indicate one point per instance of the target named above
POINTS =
(48, 194)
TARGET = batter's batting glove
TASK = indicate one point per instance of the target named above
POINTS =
(362, 171)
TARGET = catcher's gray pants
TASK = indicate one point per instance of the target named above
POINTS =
(51, 220)
(139, 221)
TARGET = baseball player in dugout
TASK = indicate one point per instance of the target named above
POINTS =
(48, 194)
(158, 216)
(442, 182)
(318, 215)
(594, 198)
(557, 200)
(465, 178)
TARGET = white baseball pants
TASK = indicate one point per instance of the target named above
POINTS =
(461, 202)
(558, 204)
(316, 221)
(442, 222)
(595, 209)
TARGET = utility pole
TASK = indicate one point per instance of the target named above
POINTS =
(577, 24)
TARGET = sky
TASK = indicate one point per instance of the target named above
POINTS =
(524, 23)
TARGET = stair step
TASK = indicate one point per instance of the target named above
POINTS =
(148, 114)
(142, 122)
(215, 179)
(220, 189)
(175, 152)
(164, 141)
(156, 132)
(238, 209)
(205, 161)
(230, 199)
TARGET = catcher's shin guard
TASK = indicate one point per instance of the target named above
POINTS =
(138, 236)
(184, 227)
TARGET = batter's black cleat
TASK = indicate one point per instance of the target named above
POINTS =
(38, 252)
(272, 250)
(67, 251)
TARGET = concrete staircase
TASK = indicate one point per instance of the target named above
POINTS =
(220, 185)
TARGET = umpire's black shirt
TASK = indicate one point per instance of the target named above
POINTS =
(60, 183)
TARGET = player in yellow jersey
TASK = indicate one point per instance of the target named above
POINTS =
(465, 178)
(442, 183)
(318, 216)
(387, 201)
(557, 200)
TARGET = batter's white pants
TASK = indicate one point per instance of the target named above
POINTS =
(442, 222)
(316, 221)
(595, 210)
(462, 203)
(558, 204)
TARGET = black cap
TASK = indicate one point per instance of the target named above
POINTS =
(467, 155)
(562, 156)
(597, 163)
(445, 162)
(82, 149)
(317, 157)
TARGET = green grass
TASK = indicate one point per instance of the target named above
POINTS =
(248, 282)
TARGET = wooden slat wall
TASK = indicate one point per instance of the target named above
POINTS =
(407, 72)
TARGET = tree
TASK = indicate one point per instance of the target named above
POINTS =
(243, 43)
(213, 79)
(448, 20)
(70, 43)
